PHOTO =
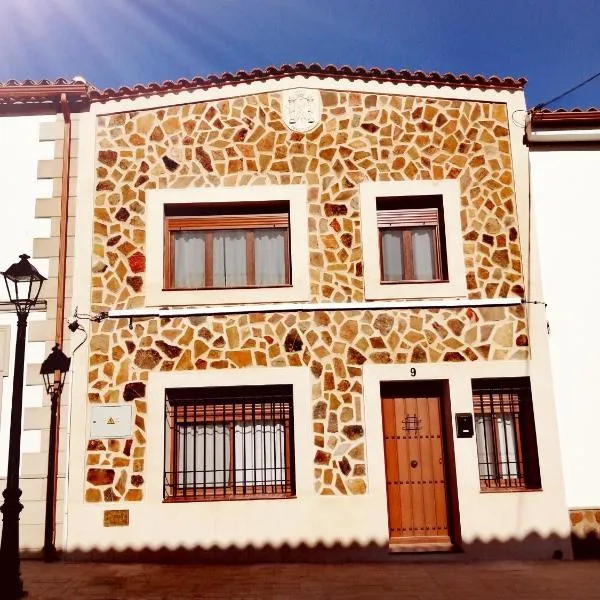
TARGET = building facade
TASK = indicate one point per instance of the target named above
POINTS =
(308, 329)
(565, 167)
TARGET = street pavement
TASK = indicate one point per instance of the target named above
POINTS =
(551, 580)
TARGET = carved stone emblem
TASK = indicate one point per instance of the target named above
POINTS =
(301, 109)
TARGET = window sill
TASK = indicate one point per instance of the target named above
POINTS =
(296, 292)
(415, 282)
(232, 498)
(507, 490)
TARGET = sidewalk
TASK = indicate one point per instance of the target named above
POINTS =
(407, 581)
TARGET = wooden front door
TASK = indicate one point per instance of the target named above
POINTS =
(414, 463)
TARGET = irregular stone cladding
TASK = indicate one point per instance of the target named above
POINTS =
(241, 142)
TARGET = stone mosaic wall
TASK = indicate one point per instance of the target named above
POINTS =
(244, 142)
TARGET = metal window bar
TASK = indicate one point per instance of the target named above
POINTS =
(500, 453)
(263, 421)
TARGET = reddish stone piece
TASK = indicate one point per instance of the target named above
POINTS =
(293, 341)
(105, 186)
(204, 159)
(370, 127)
(96, 445)
(147, 359)
(322, 458)
(137, 262)
(130, 346)
(335, 210)
(137, 480)
(127, 449)
(320, 410)
(344, 466)
(135, 282)
(347, 240)
(454, 357)
(107, 157)
(355, 357)
(136, 389)
(353, 432)
(110, 496)
(522, 340)
(170, 164)
(100, 476)
(122, 214)
(170, 351)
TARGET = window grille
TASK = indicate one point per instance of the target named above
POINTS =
(505, 434)
(228, 443)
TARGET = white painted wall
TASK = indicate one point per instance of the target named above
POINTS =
(565, 186)
(20, 151)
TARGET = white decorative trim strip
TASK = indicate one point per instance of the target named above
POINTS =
(310, 306)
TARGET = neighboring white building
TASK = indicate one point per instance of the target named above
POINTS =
(565, 195)
(31, 148)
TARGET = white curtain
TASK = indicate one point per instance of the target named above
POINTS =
(485, 447)
(422, 246)
(269, 257)
(391, 242)
(189, 248)
(506, 452)
(260, 453)
(507, 445)
(229, 258)
(209, 444)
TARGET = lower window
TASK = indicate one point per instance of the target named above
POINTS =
(229, 443)
(505, 432)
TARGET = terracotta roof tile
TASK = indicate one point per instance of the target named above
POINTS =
(577, 109)
(344, 72)
(29, 96)
(557, 118)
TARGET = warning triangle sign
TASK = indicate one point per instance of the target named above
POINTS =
(110, 421)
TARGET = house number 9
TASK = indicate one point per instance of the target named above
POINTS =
(413, 372)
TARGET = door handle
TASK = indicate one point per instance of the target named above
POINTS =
(413, 464)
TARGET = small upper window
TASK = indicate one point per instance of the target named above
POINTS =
(233, 246)
(505, 432)
(411, 239)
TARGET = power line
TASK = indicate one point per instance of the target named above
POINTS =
(579, 85)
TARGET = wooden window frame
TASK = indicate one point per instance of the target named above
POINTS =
(227, 414)
(225, 222)
(408, 220)
(504, 397)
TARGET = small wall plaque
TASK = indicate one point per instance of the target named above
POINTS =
(116, 518)
(464, 425)
(301, 109)
(110, 421)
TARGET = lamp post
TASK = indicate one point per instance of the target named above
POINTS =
(54, 371)
(24, 283)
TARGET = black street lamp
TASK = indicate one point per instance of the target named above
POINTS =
(24, 283)
(54, 371)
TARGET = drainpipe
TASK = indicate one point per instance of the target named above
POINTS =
(49, 550)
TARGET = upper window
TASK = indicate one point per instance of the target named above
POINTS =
(202, 243)
(505, 433)
(246, 246)
(412, 241)
(229, 443)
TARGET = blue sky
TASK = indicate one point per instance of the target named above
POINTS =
(123, 42)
